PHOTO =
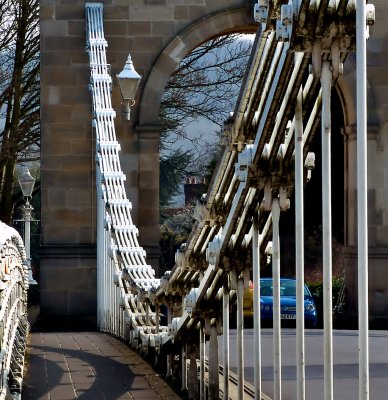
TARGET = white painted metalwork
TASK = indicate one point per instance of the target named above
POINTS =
(14, 326)
(125, 281)
(267, 135)
(326, 80)
(256, 307)
(362, 201)
(299, 246)
(225, 332)
(240, 339)
(277, 366)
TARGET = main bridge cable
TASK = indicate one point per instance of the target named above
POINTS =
(125, 280)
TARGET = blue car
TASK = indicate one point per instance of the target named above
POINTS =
(287, 302)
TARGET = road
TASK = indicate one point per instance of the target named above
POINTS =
(345, 351)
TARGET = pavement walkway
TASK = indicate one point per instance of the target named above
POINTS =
(88, 366)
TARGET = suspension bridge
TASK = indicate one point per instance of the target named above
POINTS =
(300, 54)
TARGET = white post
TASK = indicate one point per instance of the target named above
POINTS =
(299, 248)
(214, 384)
(240, 339)
(157, 317)
(225, 320)
(184, 367)
(27, 210)
(326, 79)
(276, 300)
(202, 345)
(193, 374)
(256, 309)
(362, 202)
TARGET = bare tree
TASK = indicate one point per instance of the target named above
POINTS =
(19, 93)
(204, 85)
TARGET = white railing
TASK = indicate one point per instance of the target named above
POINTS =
(266, 158)
(13, 311)
(125, 283)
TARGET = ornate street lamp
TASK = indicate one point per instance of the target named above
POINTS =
(128, 80)
(27, 182)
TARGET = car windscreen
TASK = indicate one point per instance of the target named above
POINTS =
(287, 288)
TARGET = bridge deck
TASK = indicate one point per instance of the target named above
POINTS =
(91, 365)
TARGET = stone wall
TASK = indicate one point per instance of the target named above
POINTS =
(158, 34)
(377, 65)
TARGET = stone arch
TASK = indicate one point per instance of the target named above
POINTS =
(215, 24)
(346, 88)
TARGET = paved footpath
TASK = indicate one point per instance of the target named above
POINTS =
(88, 366)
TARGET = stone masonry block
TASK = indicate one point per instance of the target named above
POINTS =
(54, 232)
(155, 2)
(163, 28)
(149, 199)
(73, 11)
(190, 2)
(59, 76)
(142, 28)
(55, 113)
(46, 11)
(82, 113)
(152, 13)
(120, 44)
(148, 180)
(67, 179)
(146, 43)
(81, 302)
(56, 198)
(68, 95)
(53, 302)
(51, 162)
(53, 58)
(196, 12)
(76, 28)
(75, 217)
(82, 147)
(115, 28)
(52, 27)
(79, 57)
(78, 163)
(61, 146)
(69, 130)
(181, 12)
(115, 12)
(67, 43)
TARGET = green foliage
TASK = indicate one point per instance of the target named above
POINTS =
(174, 230)
(173, 169)
(316, 289)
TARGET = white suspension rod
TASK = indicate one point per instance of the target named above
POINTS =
(225, 318)
(362, 201)
(277, 379)
(299, 247)
(256, 309)
(326, 79)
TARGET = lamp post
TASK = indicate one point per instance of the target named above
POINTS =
(27, 182)
(128, 80)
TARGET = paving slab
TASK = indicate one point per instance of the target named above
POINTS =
(88, 366)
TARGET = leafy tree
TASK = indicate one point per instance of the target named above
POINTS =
(174, 231)
(173, 169)
(19, 93)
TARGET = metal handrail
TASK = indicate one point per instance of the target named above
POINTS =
(14, 326)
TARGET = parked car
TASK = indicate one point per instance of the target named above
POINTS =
(287, 302)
